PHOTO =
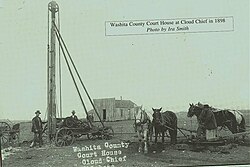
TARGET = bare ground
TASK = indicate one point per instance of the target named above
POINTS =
(159, 154)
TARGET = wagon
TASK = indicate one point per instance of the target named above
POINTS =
(218, 140)
(71, 129)
(9, 135)
(68, 129)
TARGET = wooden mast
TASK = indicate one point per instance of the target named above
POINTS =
(51, 101)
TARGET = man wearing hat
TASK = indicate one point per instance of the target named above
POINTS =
(206, 122)
(73, 115)
(37, 129)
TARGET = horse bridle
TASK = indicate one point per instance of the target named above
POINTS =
(164, 125)
(143, 113)
(159, 119)
(194, 110)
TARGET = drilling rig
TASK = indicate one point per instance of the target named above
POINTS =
(53, 8)
(65, 133)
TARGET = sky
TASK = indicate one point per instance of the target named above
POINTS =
(161, 70)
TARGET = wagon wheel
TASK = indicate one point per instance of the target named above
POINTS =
(64, 137)
(4, 130)
(93, 133)
(45, 133)
(108, 133)
(5, 138)
(14, 138)
(91, 136)
(4, 127)
(69, 122)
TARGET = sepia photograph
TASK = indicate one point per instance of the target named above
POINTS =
(124, 83)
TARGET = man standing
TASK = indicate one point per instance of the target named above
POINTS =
(37, 129)
(207, 127)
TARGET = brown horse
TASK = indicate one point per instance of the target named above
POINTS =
(231, 119)
(163, 122)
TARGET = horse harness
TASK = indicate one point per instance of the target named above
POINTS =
(146, 121)
(164, 125)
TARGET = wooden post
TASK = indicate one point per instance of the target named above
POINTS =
(51, 117)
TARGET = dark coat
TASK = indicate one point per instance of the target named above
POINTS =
(74, 117)
(36, 124)
(207, 119)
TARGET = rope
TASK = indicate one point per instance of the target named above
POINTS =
(72, 62)
(48, 88)
(72, 76)
(58, 114)
(60, 73)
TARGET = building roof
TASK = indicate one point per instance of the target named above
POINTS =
(124, 104)
(118, 103)
(91, 111)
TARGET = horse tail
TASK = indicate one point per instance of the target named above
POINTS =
(175, 122)
(174, 132)
(242, 125)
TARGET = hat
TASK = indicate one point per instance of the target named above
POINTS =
(37, 112)
(73, 112)
(206, 105)
(200, 105)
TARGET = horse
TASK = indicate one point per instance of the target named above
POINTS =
(232, 119)
(143, 127)
(163, 122)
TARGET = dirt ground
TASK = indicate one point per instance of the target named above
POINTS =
(159, 155)
(124, 148)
